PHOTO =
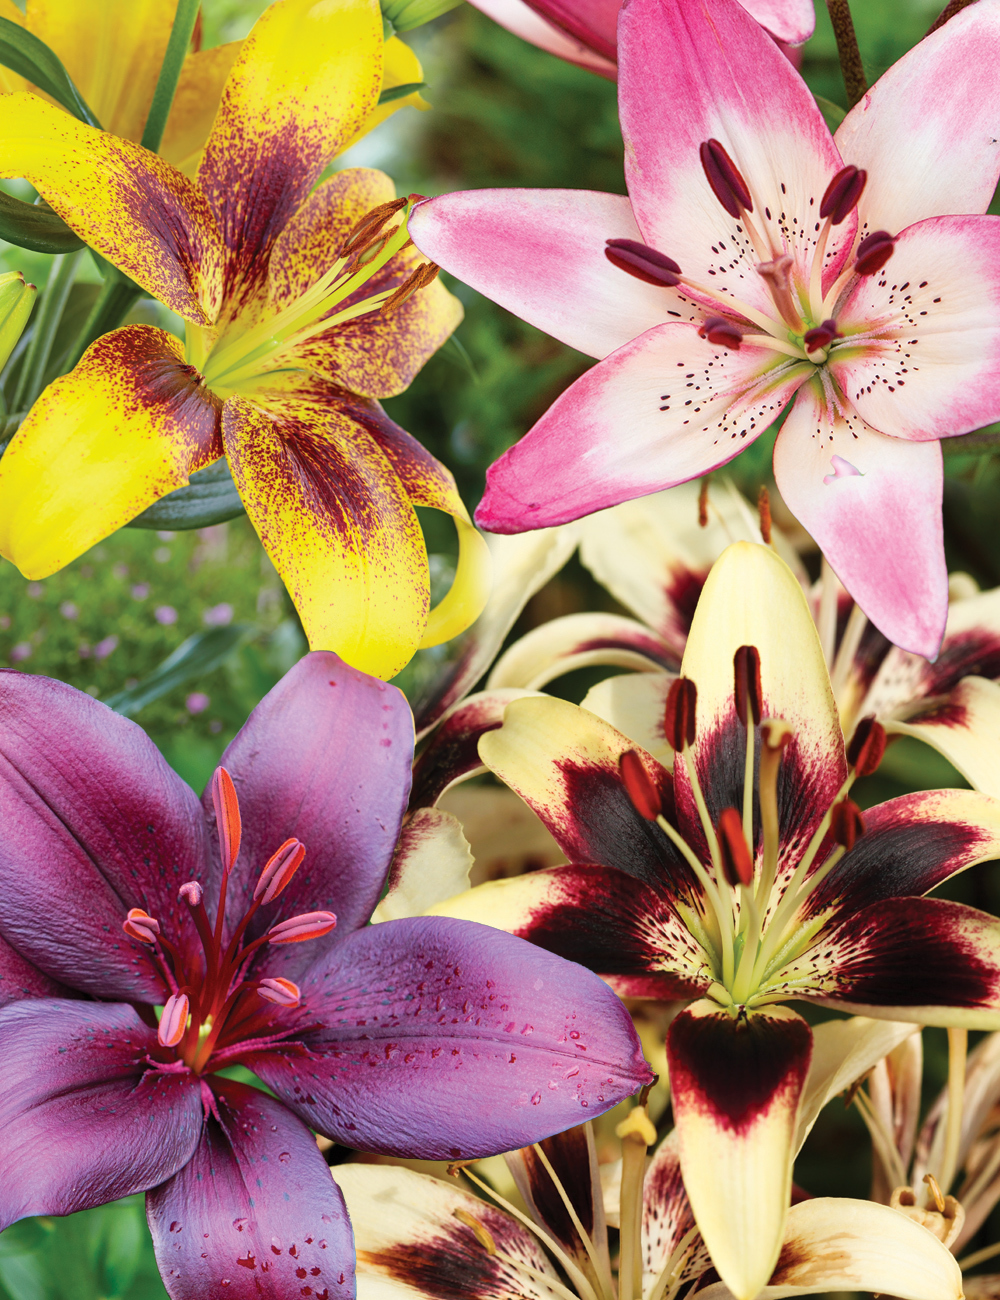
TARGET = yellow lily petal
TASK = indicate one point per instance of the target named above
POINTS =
(101, 444)
(306, 78)
(401, 68)
(432, 863)
(10, 81)
(580, 641)
(112, 50)
(634, 704)
(964, 729)
(338, 524)
(196, 102)
(131, 206)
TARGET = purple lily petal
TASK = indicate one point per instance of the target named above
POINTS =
(324, 757)
(254, 1211)
(95, 822)
(19, 979)
(439, 1039)
(76, 1072)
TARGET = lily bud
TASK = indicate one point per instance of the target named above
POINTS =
(190, 893)
(639, 784)
(281, 991)
(874, 252)
(173, 1022)
(846, 823)
(679, 714)
(737, 865)
(279, 869)
(227, 818)
(748, 690)
(16, 301)
(643, 262)
(867, 746)
(140, 925)
(310, 925)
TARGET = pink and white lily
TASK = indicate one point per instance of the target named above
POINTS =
(857, 276)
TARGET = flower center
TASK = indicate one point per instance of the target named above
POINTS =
(214, 1002)
(242, 354)
(749, 923)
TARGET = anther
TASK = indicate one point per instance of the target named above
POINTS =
(723, 175)
(748, 690)
(737, 865)
(842, 194)
(846, 823)
(679, 714)
(873, 252)
(481, 1234)
(703, 502)
(821, 336)
(279, 869)
(867, 746)
(310, 925)
(227, 818)
(140, 925)
(643, 262)
(173, 1021)
(371, 224)
(764, 514)
(419, 279)
(190, 893)
(723, 333)
(639, 785)
(281, 991)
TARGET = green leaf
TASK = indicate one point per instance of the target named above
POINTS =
(833, 113)
(26, 54)
(209, 498)
(404, 15)
(196, 657)
(35, 227)
(170, 71)
(400, 92)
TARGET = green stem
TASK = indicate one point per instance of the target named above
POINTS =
(30, 381)
(170, 71)
(114, 300)
(855, 82)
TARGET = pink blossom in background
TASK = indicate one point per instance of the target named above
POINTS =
(140, 591)
(20, 652)
(165, 614)
(120, 571)
(105, 647)
(35, 590)
(4, 622)
(69, 610)
(218, 615)
(197, 702)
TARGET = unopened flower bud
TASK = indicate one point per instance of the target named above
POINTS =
(846, 823)
(140, 925)
(723, 175)
(644, 263)
(867, 746)
(723, 333)
(281, 991)
(310, 925)
(173, 1021)
(279, 869)
(737, 864)
(679, 713)
(748, 690)
(639, 784)
(227, 818)
(16, 302)
(874, 252)
(842, 194)
(190, 893)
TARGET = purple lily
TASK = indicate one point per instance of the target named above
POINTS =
(425, 1037)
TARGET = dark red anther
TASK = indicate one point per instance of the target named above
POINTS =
(846, 823)
(873, 252)
(821, 336)
(279, 990)
(279, 869)
(723, 333)
(737, 865)
(643, 262)
(748, 691)
(190, 893)
(310, 925)
(140, 925)
(842, 194)
(173, 1021)
(679, 714)
(867, 746)
(227, 818)
(723, 175)
(639, 785)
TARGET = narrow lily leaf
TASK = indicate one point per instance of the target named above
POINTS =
(34, 227)
(400, 92)
(404, 15)
(199, 654)
(209, 498)
(26, 54)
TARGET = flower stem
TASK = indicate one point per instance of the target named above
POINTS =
(50, 311)
(116, 297)
(170, 71)
(855, 82)
(952, 8)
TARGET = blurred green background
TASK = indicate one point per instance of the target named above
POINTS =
(503, 114)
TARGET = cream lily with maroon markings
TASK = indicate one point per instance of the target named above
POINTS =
(745, 880)
(807, 268)
(301, 306)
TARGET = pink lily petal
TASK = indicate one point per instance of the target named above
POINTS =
(522, 20)
(667, 407)
(929, 154)
(938, 373)
(790, 21)
(874, 506)
(540, 254)
(691, 73)
(594, 22)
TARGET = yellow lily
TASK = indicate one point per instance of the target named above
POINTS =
(286, 352)
(113, 51)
